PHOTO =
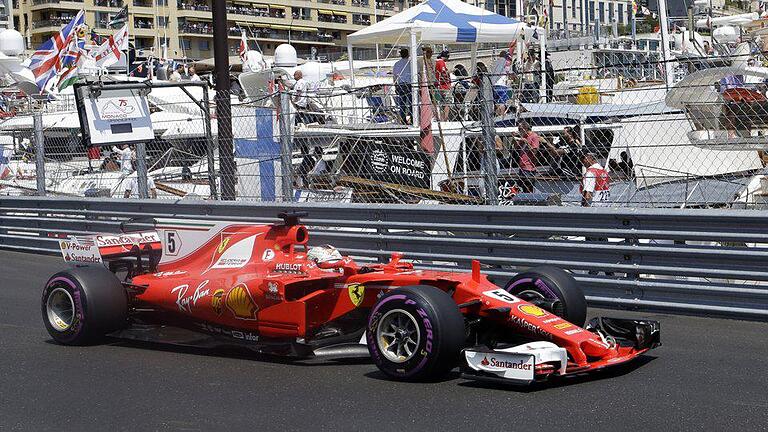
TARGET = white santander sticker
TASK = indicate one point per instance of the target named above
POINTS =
(237, 255)
(80, 252)
(500, 294)
(505, 365)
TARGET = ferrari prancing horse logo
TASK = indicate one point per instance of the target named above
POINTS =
(356, 293)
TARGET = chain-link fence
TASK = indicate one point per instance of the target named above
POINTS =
(608, 127)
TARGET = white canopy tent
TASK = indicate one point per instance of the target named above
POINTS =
(437, 21)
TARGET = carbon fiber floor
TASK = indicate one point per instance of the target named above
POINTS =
(709, 375)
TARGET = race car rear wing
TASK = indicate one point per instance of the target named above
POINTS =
(108, 248)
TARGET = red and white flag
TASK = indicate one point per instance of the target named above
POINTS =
(111, 50)
(425, 117)
(243, 51)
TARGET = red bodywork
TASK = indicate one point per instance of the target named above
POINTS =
(279, 293)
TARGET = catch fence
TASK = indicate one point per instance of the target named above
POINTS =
(697, 144)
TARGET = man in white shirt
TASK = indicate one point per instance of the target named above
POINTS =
(300, 99)
(193, 76)
(176, 75)
(596, 184)
(132, 188)
(126, 156)
(401, 74)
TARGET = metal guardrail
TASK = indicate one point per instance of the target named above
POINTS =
(705, 262)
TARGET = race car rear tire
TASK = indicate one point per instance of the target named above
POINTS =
(82, 304)
(415, 333)
(552, 283)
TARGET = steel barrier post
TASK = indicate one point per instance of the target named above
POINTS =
(37, 119)
(286, 150)
(489, 141)
(141, 169)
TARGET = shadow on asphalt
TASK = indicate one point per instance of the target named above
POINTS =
(233, 352)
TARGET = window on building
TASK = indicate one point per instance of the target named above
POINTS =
(162, 21)
(573, 8)
(204, 45)
(186, 44)
(610, 12)
(620, 11)
(162, 2)
(629, 11)
(601, 12)
(591, 13)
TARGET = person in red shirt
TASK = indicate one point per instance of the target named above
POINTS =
(527, 146)
(596, 184)
(443, 94)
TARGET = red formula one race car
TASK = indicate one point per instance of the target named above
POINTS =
(261, 286)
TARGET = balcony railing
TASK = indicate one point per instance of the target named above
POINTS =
(198, 6)
(52, 22)
(42, 2)
(109, 3)
(143, 3)
(339, 19)
(197, 28)
(301, 17)
(334, 2)
(385, 5)
(143, 24)
(360, 3)
(361, 21)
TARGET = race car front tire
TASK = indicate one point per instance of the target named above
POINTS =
(552, 283)
(415, 333)
(82, 304)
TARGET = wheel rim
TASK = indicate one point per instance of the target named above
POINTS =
(61, 309)
(398, 336)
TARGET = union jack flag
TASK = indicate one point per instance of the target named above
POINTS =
(45, 63)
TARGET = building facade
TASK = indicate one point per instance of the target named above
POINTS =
(567, 18)
(316, 27)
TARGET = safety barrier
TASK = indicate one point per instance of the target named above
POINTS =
(705, 262)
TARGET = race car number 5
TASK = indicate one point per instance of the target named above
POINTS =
(500, 294)
(172, 243)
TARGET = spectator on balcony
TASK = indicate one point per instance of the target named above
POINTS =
(401, 74)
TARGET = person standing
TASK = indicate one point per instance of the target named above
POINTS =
(132, 188)
(300, 97)
(527, 146)
(567, 154)
(596, 183)
(193, 76)
(401, 74)
(176, 75)
(126, 156)
(443, 95)
(427, 72)
(549, 73)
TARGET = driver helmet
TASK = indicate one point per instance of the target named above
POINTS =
(323, 254)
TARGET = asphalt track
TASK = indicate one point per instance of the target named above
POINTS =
(710, 374)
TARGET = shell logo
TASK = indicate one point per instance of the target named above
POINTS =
(216, 303)
(240, 302)
(532, 310)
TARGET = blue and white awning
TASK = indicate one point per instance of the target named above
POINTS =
(440, 21)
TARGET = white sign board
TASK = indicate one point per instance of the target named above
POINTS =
(117, 117)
